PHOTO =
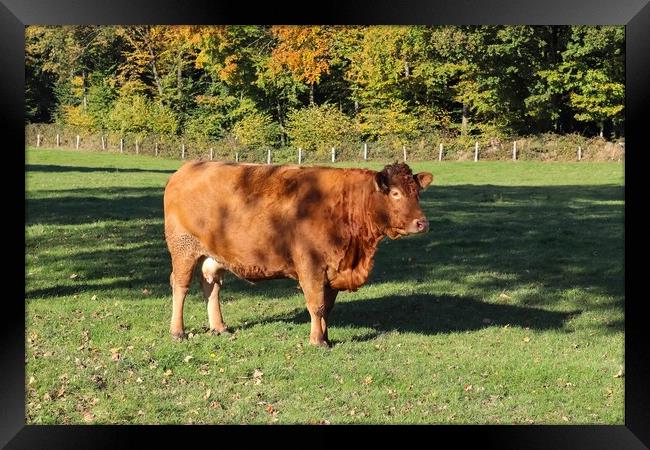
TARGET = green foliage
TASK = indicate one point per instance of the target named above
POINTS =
(320, 128)
(137, 114)
(480, 81)
(256, 130)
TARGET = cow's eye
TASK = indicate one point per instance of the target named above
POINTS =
(395, 194)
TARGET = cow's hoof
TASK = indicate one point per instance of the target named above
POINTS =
(179, 335)
(225, 332)
(322, 343)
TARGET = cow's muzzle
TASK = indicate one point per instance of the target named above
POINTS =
(420, 225)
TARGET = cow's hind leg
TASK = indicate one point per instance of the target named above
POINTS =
(211, 282)
(184, 258)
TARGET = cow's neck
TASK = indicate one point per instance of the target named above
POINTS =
(361, 240)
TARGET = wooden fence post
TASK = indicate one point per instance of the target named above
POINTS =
(365, 151)
(514, 151)
(476, 151)
(183, 150)
(236, 156)
(121, 145)
(58, 139)
(268, 156)
(299, 155)
(38, 140)
(440, 152)
(333, 154)
(579, 153)
(103, 143)
(404, 151)
(211, 153)
(155, 148)
(137, 147)
(77, 142)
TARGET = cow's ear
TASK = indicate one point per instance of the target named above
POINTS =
(424, 179)
(381, 182)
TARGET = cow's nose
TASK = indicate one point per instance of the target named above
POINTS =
(422, 224)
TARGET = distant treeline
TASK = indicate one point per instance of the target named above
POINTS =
(316, 87)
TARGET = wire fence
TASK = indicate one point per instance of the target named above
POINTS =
(545, 147)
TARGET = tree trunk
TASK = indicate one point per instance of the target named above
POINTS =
(311, 94)
(356, 107)
(179, 76)
(156, 78)
(602, 128)
(407, 69)
(465, 119)
(281, 123)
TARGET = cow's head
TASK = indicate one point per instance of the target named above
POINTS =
(399, 208)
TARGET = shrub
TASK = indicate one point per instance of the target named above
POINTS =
(256, 130)
(319, 128)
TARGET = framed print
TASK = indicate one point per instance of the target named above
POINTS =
(205, 183)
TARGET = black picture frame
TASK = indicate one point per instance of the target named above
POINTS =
(634, 14)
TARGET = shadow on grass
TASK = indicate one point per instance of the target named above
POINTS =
(549, 242)
(427, 314)
(56, 168)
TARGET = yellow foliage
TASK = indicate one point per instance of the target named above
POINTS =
(77, 117)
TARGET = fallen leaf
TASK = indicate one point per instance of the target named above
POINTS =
(88, 416)
(168, 372)
(207, 394)
(526, 339)
(115, 356)
(619, 374)
(94, 297)
(31, 380)
(138, 380)
(73, 276)
(367, 380)
(269, 408)
(258, 373)
(468, 388)
(565, 418)
(188, 358)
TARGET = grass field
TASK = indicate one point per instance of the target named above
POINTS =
(510, 310)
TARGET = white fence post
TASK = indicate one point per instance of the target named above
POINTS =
(121, 145)
(137, 147)
(183, 150)
(268, 156)
(211, 153)
(579, 153)
(476, 151)
(365, 151)
(38, 140)
(155, 149)
(404, 151)
(299, 155)
(333, 154)
(514, 151)
(78, 142)
(58, 139)
(103, 143)
(237, 157)
(440, 152)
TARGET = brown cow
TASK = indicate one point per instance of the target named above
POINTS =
(318, 225)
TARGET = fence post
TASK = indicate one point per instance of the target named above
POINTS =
(579, 153)
(333, 154)
(440, 153)
(211, 153)
(137, 147)
(365, 151)
(476, 151)
(299, 155)
(183, 150)
(58, 139)
(155, 148)
(514, 151)
(404, 151)
(103, 143)
(38, 140)
(268, 156)
(77, 142)
(121, 145)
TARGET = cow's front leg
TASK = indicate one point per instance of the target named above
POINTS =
(329, 297)
(314, 291)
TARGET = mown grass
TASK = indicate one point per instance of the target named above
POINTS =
(510, 310)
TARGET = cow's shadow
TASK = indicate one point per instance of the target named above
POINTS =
(426, 314)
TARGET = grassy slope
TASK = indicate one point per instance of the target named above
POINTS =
(509, 311)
